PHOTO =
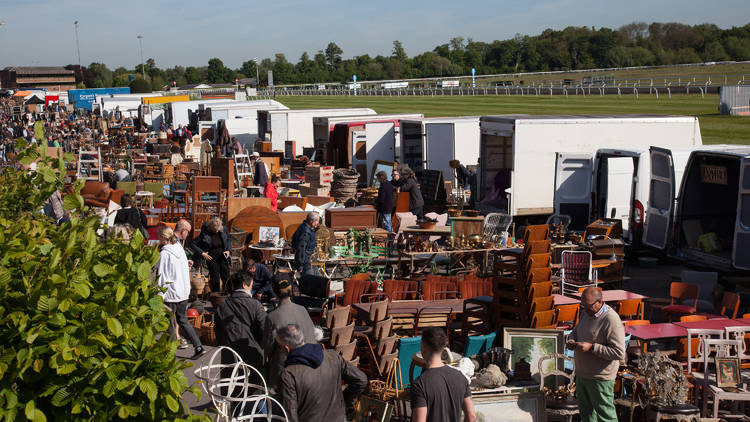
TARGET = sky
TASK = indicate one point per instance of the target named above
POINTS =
(190, 32)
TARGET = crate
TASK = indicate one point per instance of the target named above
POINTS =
(318, 176)
(306, 190)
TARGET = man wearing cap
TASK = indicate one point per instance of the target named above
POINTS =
(304, 242)
(286, 313)
(260, 175)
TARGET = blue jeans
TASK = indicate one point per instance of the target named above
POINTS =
(385, 221)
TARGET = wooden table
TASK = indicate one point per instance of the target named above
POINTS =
(457, 258)
(265, 252)
(437, 230)
(362, 310)
(617, 295)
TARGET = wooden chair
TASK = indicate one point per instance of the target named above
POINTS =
(536, 275)
(745, 316)
(401, 289)
(378, 311)
(730, 304)
(536, 232)
(342, 335)
(634, 322)
(630, 309)
(680, 292)
(347, 351)
(543, 288)
(338, 317)
(693, 318)
(353, 291)
(403, 322)
(567, 316)
(476, 317)
(432, 317)
(541, 303)
(544, 320)
(741, 333)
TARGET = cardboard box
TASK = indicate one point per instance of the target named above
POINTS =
(318, 175)
(306, 190)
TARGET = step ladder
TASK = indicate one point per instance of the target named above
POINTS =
(89, 168)
(243, 168)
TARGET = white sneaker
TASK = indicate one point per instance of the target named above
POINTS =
(183, 344)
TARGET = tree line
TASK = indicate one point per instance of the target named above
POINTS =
(573, 48)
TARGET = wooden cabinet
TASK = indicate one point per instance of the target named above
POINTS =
(466, 226)
(346, 218)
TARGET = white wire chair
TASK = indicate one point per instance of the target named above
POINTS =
(232, 390)
(496, 225)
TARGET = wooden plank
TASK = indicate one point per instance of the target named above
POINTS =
(288, 201)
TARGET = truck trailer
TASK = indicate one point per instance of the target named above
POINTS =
(535, 166)
(297, 125)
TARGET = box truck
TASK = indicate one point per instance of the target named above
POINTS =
(297, 125)
(186, 113)
(431, 143)
(535, 166)
(323, 127)
(711, 216)
(241, 118)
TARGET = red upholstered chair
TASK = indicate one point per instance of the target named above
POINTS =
(353, 291)
(439, 287)
(473, 286)
(401, 289)
(681, 292)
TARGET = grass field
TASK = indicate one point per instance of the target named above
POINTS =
(715, 128)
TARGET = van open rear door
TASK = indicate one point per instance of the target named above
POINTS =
(660, 198)
(740, 255)
(573, 174)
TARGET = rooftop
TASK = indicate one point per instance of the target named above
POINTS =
(38, 70)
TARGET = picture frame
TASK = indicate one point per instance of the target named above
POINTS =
(269, 234)
(510, 407)
(381, 165)
(531, 343)
(728, 373)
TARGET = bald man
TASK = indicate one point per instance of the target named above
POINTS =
(599, 344)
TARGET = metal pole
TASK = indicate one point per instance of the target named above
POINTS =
(78, 48)
(140, 44)
(257, 74)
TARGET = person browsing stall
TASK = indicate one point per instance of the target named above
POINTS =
(272, 191)
(384, 202)
(212, 245)
(304, 242)
(406, 181)
(599, 344)
(262, 279)
(440, 393)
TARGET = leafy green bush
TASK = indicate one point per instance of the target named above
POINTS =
(140, 86)
(82, 325)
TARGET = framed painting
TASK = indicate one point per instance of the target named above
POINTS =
(381, 165)
(728, 372)
(530, 344)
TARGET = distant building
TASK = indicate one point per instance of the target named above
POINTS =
(54, 78)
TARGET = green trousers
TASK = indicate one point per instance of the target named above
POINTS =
(596, 400)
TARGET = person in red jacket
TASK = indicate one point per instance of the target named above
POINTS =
(272, 192)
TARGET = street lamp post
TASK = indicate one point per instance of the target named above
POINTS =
(257, 74)
(78, 48)
(140, 44)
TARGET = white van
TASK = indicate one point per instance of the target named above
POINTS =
(712, 212)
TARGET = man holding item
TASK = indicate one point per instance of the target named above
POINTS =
(384, 202)
(599, 344)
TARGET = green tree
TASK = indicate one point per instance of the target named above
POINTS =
(333, 54)
(217, 72)
(83, 325)
(193, 75)
(398, 51)
(139, 85)
(101, 74)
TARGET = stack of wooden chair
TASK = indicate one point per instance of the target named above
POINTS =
(521, 275)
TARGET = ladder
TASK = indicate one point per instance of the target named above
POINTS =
(243, 167)
(89, 168)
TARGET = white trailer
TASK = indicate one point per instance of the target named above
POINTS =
(180, 112)
(297, 125)
(241, 118)
(323, 126)
(431, 143)
(535, 166)
(712, 212)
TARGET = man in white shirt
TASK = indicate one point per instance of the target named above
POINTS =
(174, 274)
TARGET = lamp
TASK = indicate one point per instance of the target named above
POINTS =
(612, 257)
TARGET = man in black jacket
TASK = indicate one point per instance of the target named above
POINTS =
(304, 242)
(384, 202)
(240, 321)
(311, 381)
(406, 181)
(262, 279)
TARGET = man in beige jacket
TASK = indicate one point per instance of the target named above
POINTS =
(599, 344)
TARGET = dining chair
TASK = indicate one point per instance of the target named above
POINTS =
(680, 292)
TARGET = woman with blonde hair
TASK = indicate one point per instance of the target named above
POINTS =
(213, 246)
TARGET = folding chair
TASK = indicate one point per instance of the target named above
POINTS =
(576, 271)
